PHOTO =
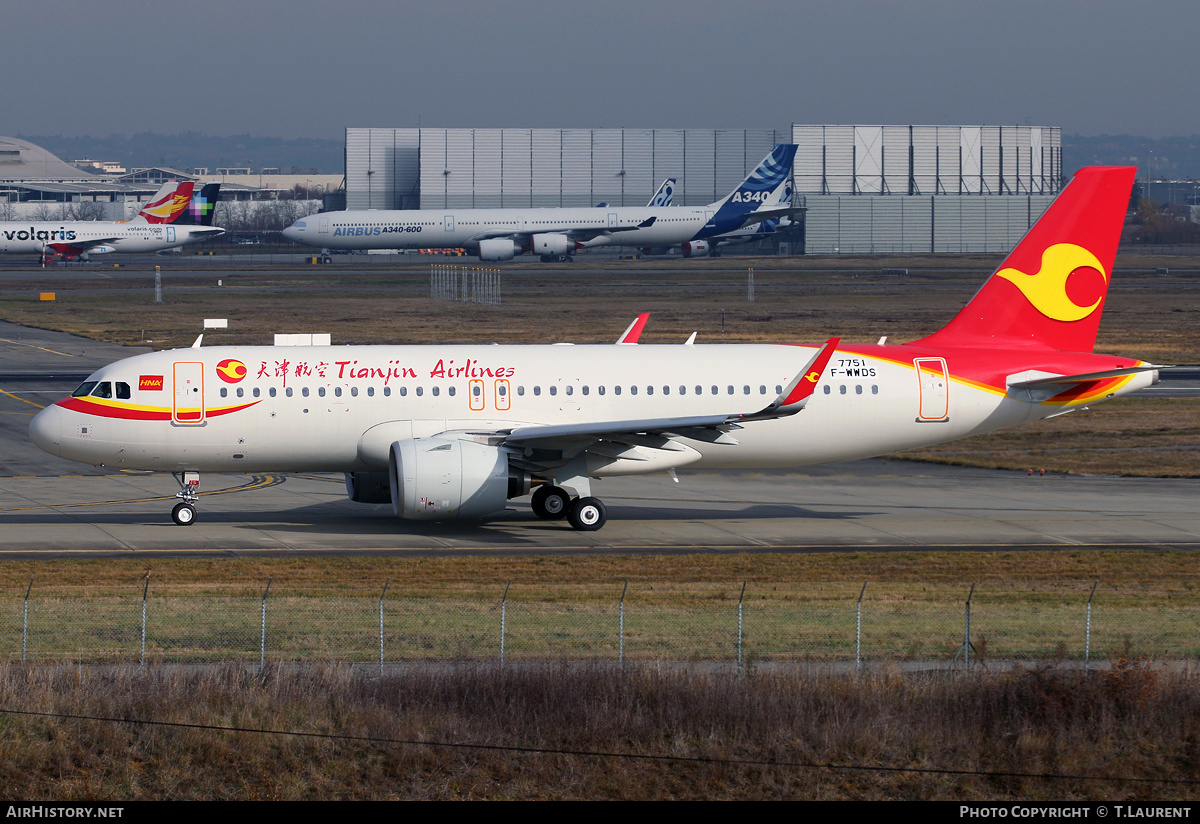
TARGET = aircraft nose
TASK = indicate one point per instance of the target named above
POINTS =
(292, 233)
(45, 429)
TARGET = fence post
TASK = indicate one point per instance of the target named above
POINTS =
(858, 629)
(385, 586)
(741, 598)
(621, 626)
(145, 587)
(503, 616)
(1087, 631)
(750, 286)
(966, 645)
(25, 621)
(262, 643)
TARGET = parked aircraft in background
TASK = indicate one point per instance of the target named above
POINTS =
(454, 431)
(747, 234)
(663, 197)
(553, 234)
(171, 218)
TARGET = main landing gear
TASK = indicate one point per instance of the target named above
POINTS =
(552, 503)
(557, 259)
(184, 512)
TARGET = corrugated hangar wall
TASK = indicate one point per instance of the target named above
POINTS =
(493, 168)
(867, 189)
(877, 189)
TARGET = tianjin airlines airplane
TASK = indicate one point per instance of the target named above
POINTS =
(454, 431)
(173, 217)
(554, 234)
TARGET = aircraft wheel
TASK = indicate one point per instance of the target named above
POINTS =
(547, 258)
(550, 503)
(587, 514)
(184, 514)
(327, 259)
(570, 259)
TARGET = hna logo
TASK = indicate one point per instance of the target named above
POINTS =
(152, 383)
(231, 371)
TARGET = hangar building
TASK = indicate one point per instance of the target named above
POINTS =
(867, 189)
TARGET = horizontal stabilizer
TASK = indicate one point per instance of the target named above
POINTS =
(1070, 380)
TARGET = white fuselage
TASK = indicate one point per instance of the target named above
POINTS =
(97, 236)
(454, 228)
(339, 408)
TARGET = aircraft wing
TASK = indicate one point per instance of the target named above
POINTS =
(77, 248)
(653, 431)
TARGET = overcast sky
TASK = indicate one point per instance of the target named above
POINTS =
(309, 68)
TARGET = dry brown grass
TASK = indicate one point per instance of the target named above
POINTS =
(797, 299)
(1131, 722)
(1152, 573)
(1136, 437)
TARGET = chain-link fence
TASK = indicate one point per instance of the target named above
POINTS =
(737, 624)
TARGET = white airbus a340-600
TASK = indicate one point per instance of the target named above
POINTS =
(455, 431)
(556, 233)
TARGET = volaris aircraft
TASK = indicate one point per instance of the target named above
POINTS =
(454, 431)
(175, 216)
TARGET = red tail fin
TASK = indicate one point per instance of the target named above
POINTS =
(1050, 290)
(168, 202)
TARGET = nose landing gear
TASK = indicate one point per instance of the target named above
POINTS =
(184, 512)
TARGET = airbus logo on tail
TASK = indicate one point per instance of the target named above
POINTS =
(1047, 289)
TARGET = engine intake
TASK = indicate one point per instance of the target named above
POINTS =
(552, 244)
(435, 479)
(498, 248)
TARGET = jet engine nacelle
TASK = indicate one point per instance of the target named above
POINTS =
(369, 487)
(552, 244)
(696, 248)
(435, 479)
(498, 248)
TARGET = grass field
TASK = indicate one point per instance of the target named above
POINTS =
(1027, 606)
(1125, 734)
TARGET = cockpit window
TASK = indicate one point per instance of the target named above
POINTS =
(103, 390)
(122, 391)
(84, 389)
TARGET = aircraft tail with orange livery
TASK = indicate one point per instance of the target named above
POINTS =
(167, 204)
(1049, 292)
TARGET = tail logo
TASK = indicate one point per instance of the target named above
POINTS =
(1047, 289)
(231, 371)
